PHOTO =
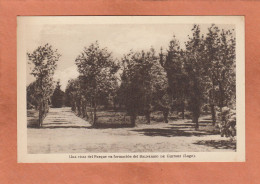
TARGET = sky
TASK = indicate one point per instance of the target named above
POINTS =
(70, 40)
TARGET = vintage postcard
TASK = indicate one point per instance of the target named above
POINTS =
(130, 89)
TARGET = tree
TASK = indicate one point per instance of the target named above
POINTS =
(211, 62)
(220, 67)
(143, 85)
(173, 64)
(97, 69)
(57, 98)
(161, 92)
(193, 63)
(76, 95)
(136, 88)
(225, 70)
(44, 60)
(71, 93)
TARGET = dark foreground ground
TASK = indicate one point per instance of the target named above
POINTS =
(64, 132)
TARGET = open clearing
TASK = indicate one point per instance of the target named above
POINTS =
(64, 132)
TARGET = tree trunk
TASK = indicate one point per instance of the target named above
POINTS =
(78, 109)
(83, 110)
(183, 110)
(213, 114)
(148, 118)
(73, 106)
(46, 108)
(87, 114)
(40, 115)
(196, 103)
(196, 115)
(221, 97)
(94, 114)
(195, 119)
(165, 115)
(133, 118)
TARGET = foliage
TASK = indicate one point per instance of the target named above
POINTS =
(194, 61)
(227, 122)
(144, 84)
(74, 95)
(97, 77)
(200, 75)
(173, 64)
(220, 67)
(57, 98)
(44, 60)
(32, 95)
(203, 73)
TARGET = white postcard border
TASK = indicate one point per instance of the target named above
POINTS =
(24, 157)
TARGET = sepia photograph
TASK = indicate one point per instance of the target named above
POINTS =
(132, 88)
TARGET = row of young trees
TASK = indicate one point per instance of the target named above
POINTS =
(201, 74)
(204, 72)
(97, 81)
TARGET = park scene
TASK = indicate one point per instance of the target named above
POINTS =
(178, 95)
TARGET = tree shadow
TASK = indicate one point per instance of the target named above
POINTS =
(106, 126)
(218, 144)
(205, 122)
(57, 123)
(32, 119)
(171, 132)
(186, 125)
(32, 123)
(55, 127)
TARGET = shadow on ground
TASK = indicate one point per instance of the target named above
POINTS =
(107, 126)
(54, 127)
(32, 122)
(186, 129)
(218, 144)
(172, 132)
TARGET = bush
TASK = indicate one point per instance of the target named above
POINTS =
(227, 122)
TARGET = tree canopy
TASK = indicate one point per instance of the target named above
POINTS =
(44, 62)
(97, 70)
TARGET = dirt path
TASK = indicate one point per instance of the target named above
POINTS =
(64, 132)
(63, 118)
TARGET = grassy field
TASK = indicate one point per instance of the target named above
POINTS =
(111, 118)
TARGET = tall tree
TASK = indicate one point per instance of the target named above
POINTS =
(44, 60)
(173, 64)
(136, 83)
(226, 76)
(144, 85)
(212, 51)
(97, 68)
(220, 67)
(194, 61)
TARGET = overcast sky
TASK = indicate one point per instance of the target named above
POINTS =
(70, 40)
